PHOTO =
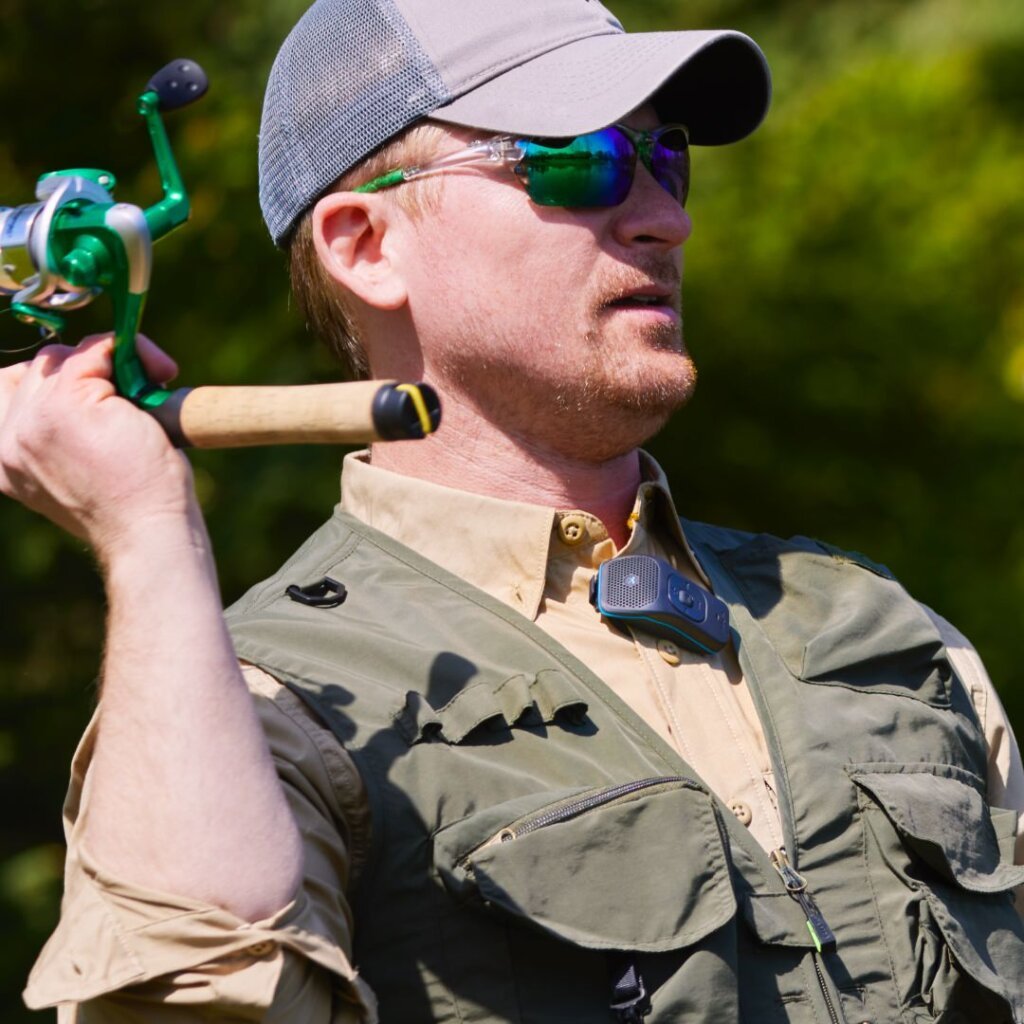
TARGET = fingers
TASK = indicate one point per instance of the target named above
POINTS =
(27, 377)
(94, 358)
(73, 451)
(58, 368)
(159, 366)
(97, 354)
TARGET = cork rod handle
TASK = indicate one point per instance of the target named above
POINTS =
(354, 413)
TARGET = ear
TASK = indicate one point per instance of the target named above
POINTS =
(355, 237)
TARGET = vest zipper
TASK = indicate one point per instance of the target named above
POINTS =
(573, 808)
(796, 886)
(836, 1019)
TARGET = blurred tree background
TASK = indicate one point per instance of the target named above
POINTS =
(854, 297)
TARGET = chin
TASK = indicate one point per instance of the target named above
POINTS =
(657, 382)
(610, 414)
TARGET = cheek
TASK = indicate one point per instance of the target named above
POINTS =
(494, 273)
(492, 237)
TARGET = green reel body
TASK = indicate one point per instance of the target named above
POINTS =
(77, 241)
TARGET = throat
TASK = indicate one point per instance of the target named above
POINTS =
(500, 466)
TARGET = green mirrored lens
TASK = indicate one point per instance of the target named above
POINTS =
(589, 170)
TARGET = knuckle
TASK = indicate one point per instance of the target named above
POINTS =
(52, 351)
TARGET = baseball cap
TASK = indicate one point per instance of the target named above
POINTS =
(354, 73)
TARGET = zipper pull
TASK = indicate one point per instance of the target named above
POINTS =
(796, 885)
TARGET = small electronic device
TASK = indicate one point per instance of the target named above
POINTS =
(648, 593)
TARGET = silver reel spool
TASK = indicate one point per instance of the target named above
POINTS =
(25, 271)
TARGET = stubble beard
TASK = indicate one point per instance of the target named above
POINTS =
(613, 403)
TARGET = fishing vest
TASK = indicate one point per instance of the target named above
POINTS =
(531, 834)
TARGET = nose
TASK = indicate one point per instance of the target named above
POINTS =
(650, 216)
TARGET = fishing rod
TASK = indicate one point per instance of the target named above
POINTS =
(76, 242)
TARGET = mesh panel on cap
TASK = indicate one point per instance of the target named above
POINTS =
(349, 76)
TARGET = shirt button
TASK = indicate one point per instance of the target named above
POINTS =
(572, 529)
(669, 652)
(261, 948)
(742, 811)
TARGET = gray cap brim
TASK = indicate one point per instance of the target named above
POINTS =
(717, 83)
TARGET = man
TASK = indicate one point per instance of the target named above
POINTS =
(455, 776)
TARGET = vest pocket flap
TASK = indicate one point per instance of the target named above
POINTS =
(935, 859)
(640, 866)
(945, 820)
(519, 700)
(836, 622)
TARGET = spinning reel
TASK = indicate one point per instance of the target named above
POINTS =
(76, 242)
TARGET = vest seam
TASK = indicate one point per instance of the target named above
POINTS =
(948, 771)
(356, 865)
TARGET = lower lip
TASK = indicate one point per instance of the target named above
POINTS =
(660, 313)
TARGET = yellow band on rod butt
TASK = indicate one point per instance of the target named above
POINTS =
(420, 405)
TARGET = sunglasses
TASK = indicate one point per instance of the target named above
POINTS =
(596, 169)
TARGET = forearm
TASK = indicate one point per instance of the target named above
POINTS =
(184, 796)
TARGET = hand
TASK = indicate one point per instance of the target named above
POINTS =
(89, 460)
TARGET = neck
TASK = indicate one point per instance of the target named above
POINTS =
(472, 454)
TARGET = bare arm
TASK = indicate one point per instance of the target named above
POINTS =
(184, 794)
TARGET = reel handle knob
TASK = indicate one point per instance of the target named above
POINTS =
(179, 83)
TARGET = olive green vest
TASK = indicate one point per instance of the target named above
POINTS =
(528, 827)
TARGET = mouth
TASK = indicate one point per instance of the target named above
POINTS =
(653, 298)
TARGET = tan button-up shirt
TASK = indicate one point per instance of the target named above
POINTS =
(124, 954)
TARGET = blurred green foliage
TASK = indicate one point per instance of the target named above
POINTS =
(855, 300)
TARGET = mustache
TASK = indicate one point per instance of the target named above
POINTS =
(653, 274)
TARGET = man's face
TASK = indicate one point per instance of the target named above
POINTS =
(561, 326)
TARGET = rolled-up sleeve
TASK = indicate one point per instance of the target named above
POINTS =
(124, 954)
(1005, 770)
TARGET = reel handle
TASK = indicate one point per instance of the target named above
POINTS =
(352, 413)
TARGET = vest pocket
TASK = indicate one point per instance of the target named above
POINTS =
(941, 880)
(837, 622)
(639, 866)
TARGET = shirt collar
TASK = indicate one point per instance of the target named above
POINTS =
(503, 547)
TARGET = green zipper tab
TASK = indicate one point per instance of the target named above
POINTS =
(796, 885)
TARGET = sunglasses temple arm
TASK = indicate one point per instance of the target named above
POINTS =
(501, 150)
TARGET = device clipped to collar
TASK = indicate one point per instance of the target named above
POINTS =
(649, 593)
